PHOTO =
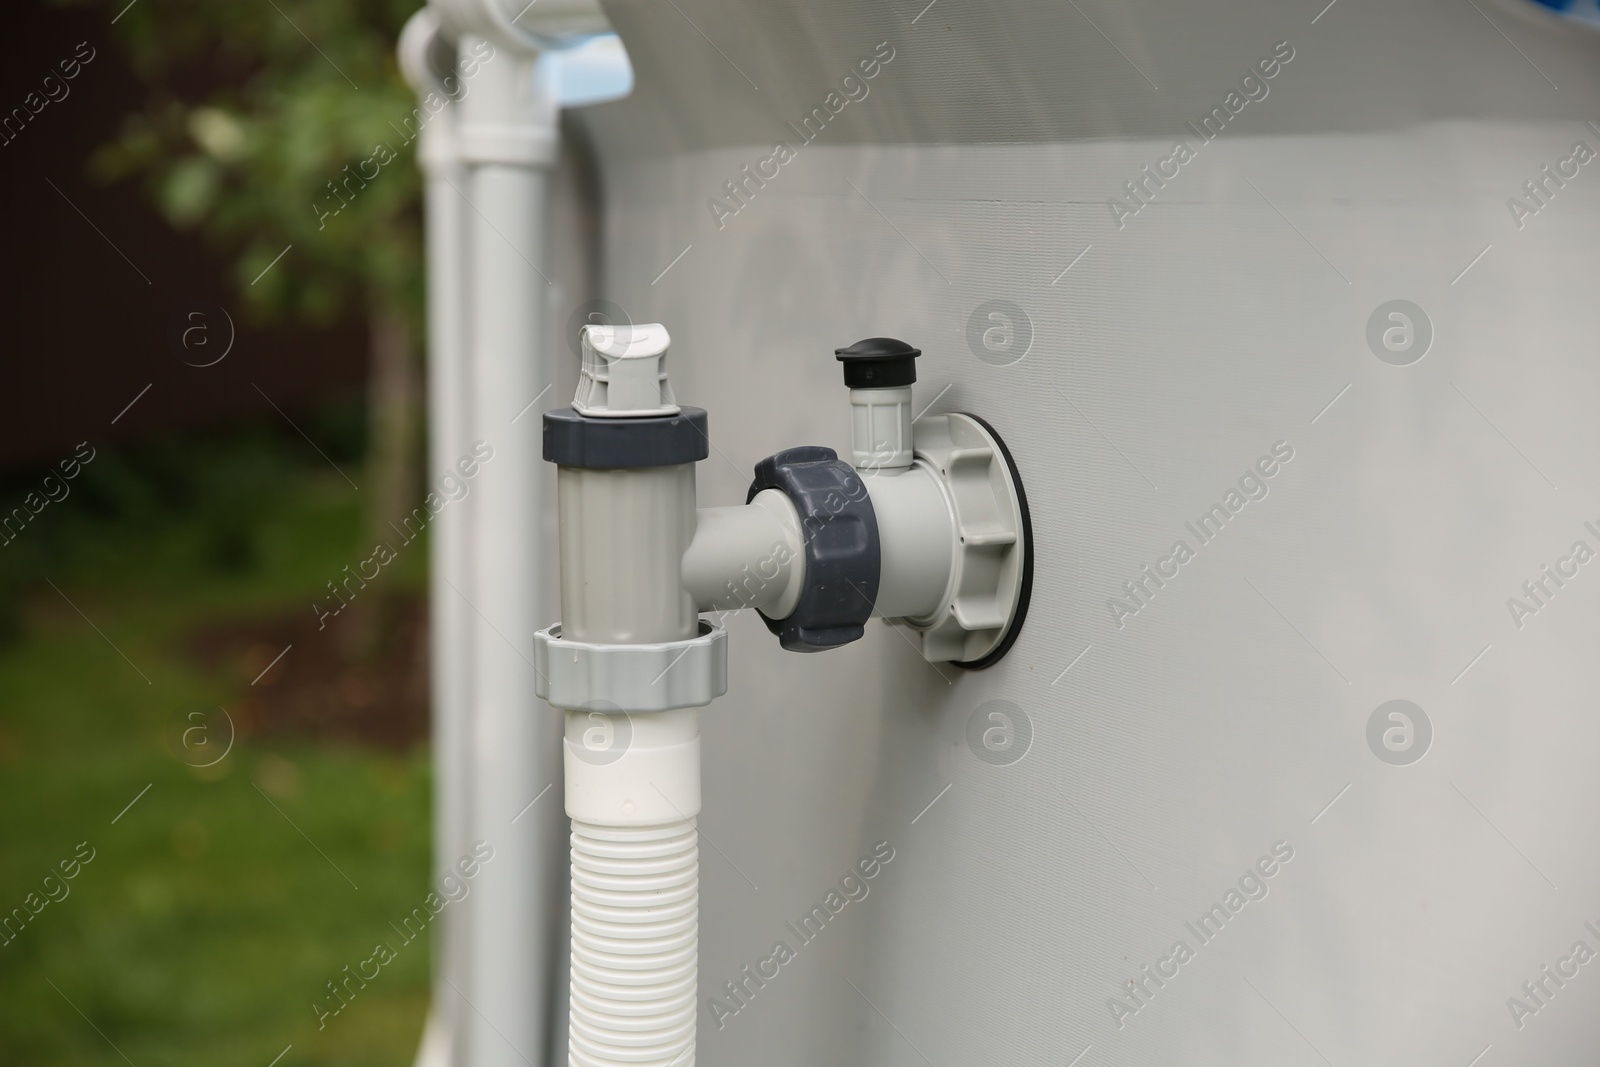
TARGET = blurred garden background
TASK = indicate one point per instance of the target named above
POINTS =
(212, 409)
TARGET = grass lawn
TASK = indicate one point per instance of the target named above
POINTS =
(218, 905)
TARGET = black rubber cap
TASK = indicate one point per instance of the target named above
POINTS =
(878, 363)
(574, 440)
(843, 554)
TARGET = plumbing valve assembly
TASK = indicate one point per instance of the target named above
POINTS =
(925, 526)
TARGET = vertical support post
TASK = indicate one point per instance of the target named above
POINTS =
(450, 619)
(508, 142)
(426, 57)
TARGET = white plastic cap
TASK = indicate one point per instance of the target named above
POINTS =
(624, 373)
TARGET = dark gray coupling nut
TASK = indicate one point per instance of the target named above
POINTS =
(842, 552)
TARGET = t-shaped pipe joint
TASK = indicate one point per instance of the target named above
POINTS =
(933, 536)
(927, 527)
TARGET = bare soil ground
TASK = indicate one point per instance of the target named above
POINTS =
(360, 681)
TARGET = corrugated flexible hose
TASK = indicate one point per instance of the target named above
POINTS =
(635, 942)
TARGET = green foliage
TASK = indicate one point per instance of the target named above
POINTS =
(206, 925)
(275, 124)
(204, 503)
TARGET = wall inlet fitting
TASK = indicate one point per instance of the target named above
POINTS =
(926, 526)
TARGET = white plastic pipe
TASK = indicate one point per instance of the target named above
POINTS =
(508, 143)
(632, 781)
(747, 556)
(450, 616)
(423, 52)
(917, 536)
(496, 998)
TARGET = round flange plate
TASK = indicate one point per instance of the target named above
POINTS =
(991, 577)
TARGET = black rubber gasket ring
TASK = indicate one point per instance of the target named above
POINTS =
(843, 555)
(1025, 594)
(574, 440)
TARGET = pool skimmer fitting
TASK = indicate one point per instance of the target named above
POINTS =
(925, 526)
